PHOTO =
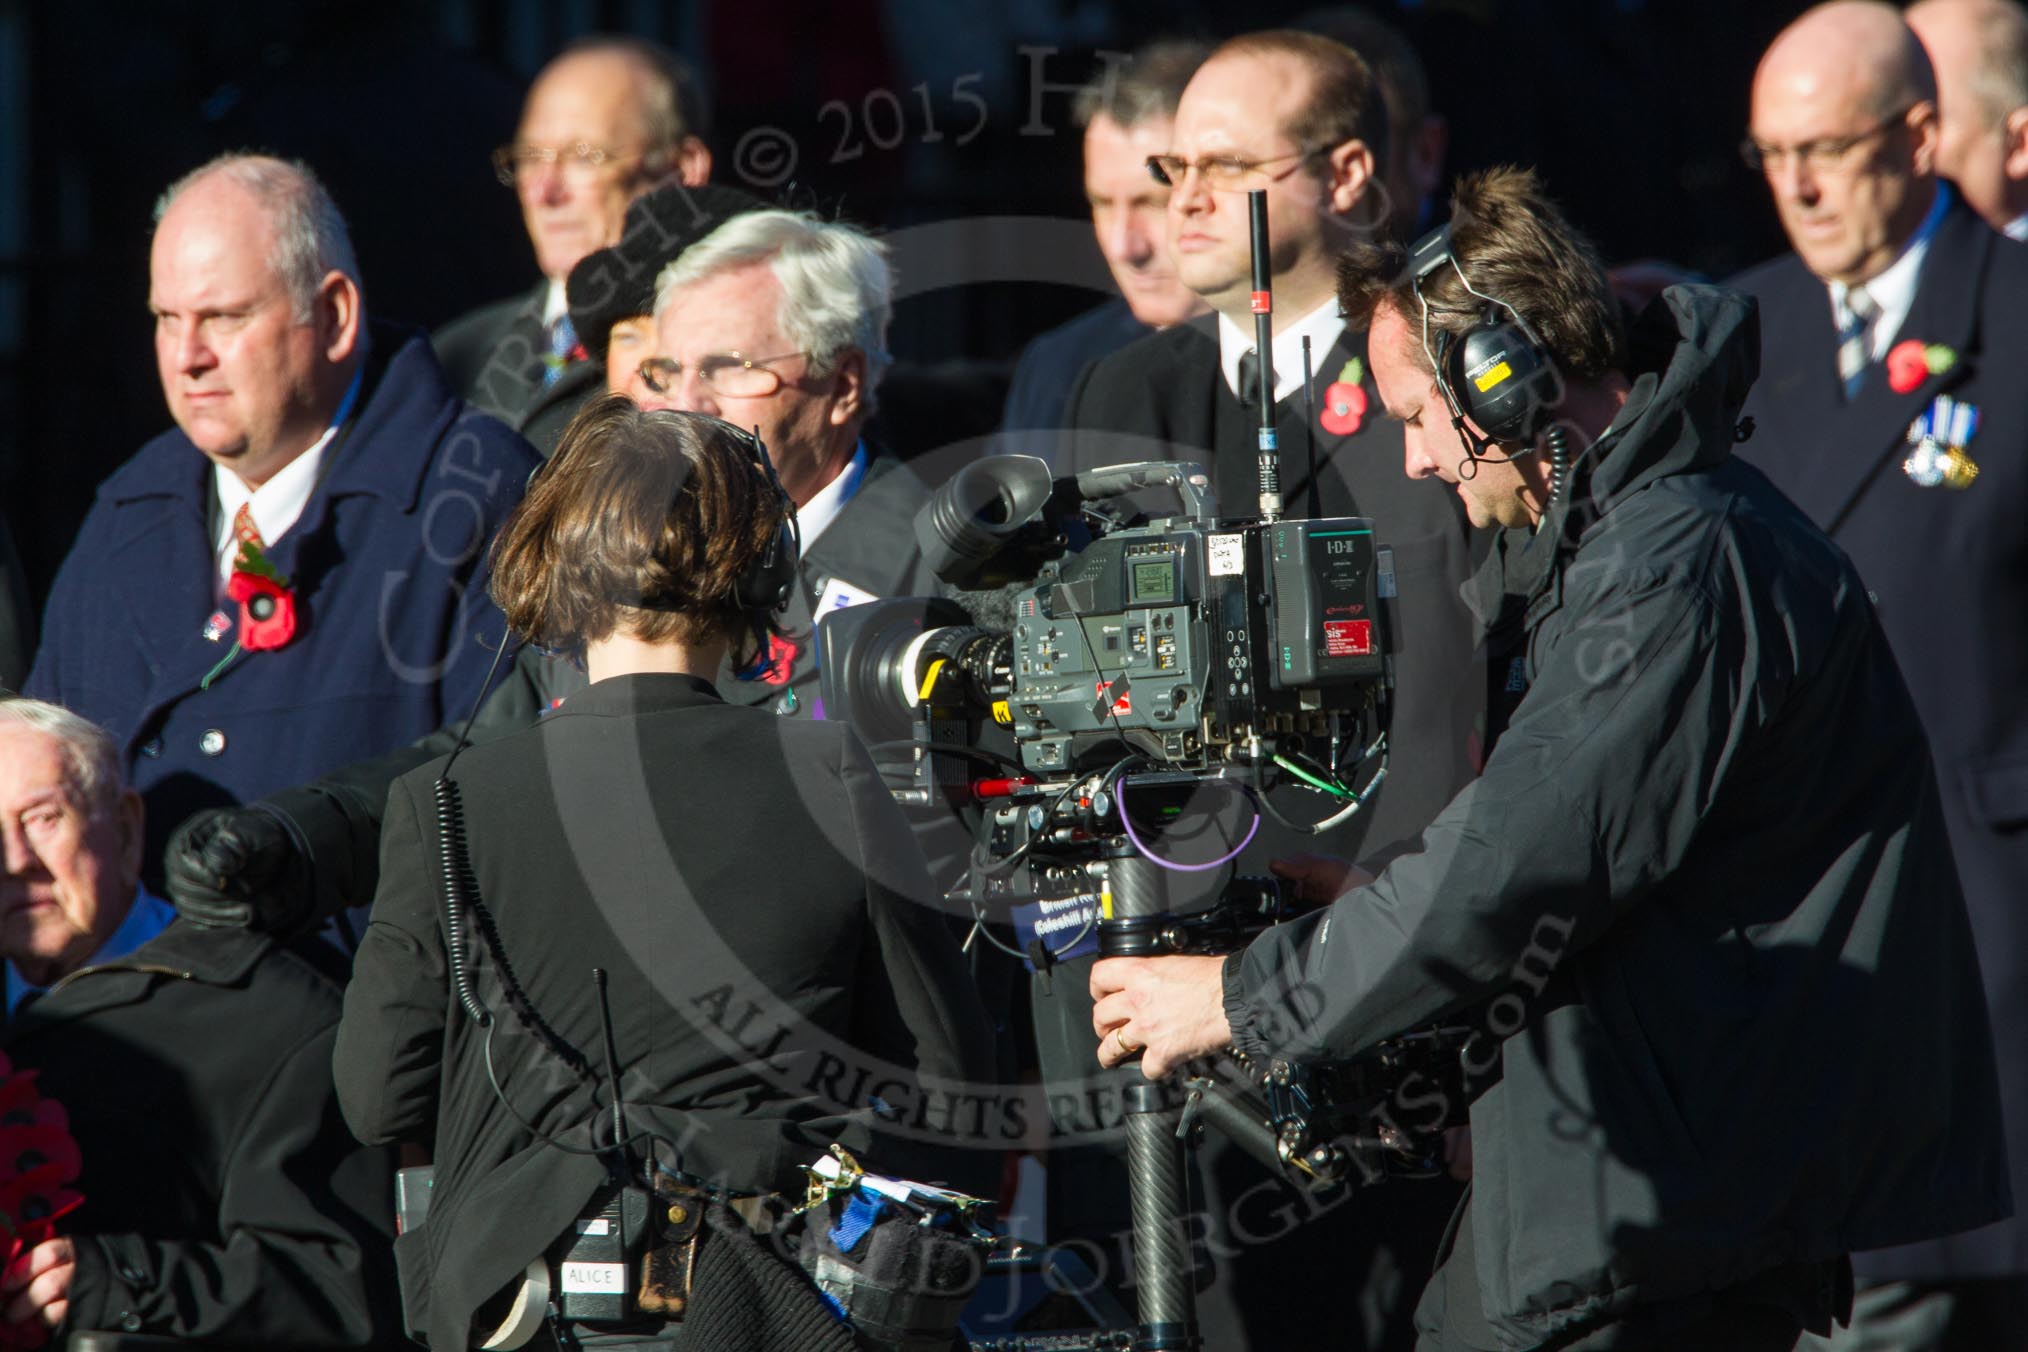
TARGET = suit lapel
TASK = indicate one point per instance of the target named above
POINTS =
(1299, 424)
(579, 381)
(1841, 447)
(869, 548)
(1946, 311)
(161, 549)
(1797, 395)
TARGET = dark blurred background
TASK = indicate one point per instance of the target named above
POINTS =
(896, 113)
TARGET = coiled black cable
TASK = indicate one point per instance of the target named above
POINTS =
(457, 871)
(1558, 442)
(461, 892)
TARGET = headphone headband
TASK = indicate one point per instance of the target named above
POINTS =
(1497, 372)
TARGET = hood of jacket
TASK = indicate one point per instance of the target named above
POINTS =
(1691, 358)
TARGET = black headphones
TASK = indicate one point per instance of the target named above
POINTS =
(1498, 373)
(770, 579)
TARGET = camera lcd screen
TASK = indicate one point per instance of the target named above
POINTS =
(1154, 582)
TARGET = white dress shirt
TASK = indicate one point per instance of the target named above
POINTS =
(814, 518)
(1322, 326)
(276, 504)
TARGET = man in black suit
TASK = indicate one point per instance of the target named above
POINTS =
(1126, 112)
(807, 373)
(1299, 116)
(1891, 409)
(608, 120)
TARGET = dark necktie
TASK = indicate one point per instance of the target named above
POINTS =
(1249, 378)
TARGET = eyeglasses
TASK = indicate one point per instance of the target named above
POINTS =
(1820, 156)
(580, 160)
(1224, 173)
(728, 373)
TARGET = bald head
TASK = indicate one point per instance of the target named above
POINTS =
(1856, 50)
(1844, 123)
(628, 103)
(1979, 49)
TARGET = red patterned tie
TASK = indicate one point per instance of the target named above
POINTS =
(244, 530)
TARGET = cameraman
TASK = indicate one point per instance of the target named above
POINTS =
(749, 886)
(1700, 908)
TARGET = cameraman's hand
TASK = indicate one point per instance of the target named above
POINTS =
(1319, 879)
(1166, 1010)
(237, 868)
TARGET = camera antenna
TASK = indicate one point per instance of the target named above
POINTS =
(1310, 427)
(1263, 348)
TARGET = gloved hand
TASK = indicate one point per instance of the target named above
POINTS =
(239, 868)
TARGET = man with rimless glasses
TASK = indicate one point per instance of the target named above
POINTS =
(605, 122)
(1301, 117)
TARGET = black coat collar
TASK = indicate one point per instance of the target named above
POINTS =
(182, 952)
(643, 693)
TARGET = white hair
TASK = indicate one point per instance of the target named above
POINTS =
(311, 240)
(837, 287)
(94, 758)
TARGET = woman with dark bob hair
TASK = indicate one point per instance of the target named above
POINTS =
(774, 978)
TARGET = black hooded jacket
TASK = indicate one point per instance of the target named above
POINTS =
(1700, 904)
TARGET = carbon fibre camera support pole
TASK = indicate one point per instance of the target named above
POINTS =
(1264, 351)
(1163, 1274)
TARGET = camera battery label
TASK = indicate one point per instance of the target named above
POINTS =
(1067, 926)
(608, 1278)
(1226, 555)
(1348, 638)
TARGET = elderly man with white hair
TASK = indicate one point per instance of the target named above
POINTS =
(778, 320)
(225, 1201)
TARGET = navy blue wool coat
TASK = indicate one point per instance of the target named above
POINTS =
(388, 565)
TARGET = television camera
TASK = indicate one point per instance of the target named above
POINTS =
(1130, 685)
(1108, 697)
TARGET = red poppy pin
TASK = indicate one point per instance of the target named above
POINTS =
(1911, 361)
(267, 607)
(781, 660)
(1345, 401)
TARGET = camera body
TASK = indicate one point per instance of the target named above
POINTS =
(1182, 640)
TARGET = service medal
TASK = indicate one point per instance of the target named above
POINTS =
(1939, 437)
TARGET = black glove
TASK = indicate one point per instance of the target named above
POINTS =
(240, 868)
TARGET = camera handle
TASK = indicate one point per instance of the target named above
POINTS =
(1164, 1276)
(1196, 496)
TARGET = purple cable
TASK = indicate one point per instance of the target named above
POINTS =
(1120, 797)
